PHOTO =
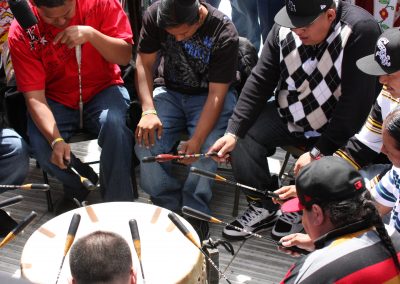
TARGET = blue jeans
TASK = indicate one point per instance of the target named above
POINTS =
(214, 3)
(249, 158)
(255, 18)
(105, 116)
(180, 113)
(14, 157)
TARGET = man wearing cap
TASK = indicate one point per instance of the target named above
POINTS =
(198, 46)
(321, 99)
(351, 242)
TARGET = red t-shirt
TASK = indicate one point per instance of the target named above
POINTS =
(53, 68)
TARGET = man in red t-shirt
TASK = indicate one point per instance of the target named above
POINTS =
(62, 95)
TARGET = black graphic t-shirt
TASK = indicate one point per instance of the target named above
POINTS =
(210, 55)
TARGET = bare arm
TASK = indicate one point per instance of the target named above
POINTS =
(114, 50)
(44, 120)
(383, 210)
(208, 118)
(150, 123)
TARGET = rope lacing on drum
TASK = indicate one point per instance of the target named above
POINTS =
(211, 244)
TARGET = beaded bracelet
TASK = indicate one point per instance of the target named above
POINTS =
(55, 141)
(150, 111)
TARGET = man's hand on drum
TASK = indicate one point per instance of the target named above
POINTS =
(223, 146)
(300, 240)
(146, 130)
(61, 153)
(302, 161)
(285, 192)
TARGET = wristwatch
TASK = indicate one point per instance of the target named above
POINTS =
(315, 153)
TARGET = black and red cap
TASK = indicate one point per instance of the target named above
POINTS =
(327, 179)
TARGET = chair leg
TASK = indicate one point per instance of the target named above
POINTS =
(236, 202)
(48, 193)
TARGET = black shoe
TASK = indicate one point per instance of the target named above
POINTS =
(64, 205)
(201, 227)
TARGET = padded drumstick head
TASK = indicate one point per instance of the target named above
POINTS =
(198, 214)
(203, 173)
(22, 13)
(11, 201)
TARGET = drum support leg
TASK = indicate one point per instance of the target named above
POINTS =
(213, 253)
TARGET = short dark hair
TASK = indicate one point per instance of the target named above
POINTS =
(392, 125)
(49, 3)
(100, 257)
(173, 13)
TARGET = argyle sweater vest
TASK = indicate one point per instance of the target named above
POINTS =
(310, 79)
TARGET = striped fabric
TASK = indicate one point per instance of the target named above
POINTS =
(352, 258)
(387, 193)
(361, 148)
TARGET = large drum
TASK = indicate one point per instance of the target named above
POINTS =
(167, 256)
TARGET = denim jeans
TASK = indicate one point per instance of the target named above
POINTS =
(214, 3)
(255, 18)
(249, 158)
(180, 113)
(14, 157)
(105, 116)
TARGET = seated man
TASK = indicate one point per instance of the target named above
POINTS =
(351, 242)
(309, 62)
(61, 99)
(101, 257)
(199, 49)
(14, 153)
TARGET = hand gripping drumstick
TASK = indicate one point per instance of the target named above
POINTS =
(84, 180)
(205, 217)
(136, 242)
(73, 227)
(216, 177)
(169, 157)
(27, 186)
(11, 235)
(190, 237)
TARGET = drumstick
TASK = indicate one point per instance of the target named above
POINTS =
(216, 177)
(205, 217)
(190, 237)
(169, 157)
(136, 242)
(11, 235)
(85, 181)
(73, 227)
(26, 186)
(11, 201)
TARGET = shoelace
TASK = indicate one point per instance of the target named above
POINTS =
(250, 214)
(291, 218)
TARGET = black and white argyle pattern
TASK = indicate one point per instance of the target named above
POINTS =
(310, 79)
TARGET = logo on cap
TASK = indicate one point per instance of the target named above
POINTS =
(358, 184)
(322, 7)
(291, 6)
(382, 52)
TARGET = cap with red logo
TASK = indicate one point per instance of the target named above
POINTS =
(327, 179)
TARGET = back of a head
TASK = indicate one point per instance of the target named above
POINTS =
(49, 3)
(173, 13)
(101, 257)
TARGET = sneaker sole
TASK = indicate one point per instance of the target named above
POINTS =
(265, 227)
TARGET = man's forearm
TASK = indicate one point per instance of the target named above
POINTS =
(43, 117)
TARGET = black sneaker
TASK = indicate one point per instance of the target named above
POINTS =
(288, 223)
(254, 219)
(201, 227)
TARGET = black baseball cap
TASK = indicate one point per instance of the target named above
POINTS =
(176, 12)
(301, 13)
(386, 58)
(328, 179)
